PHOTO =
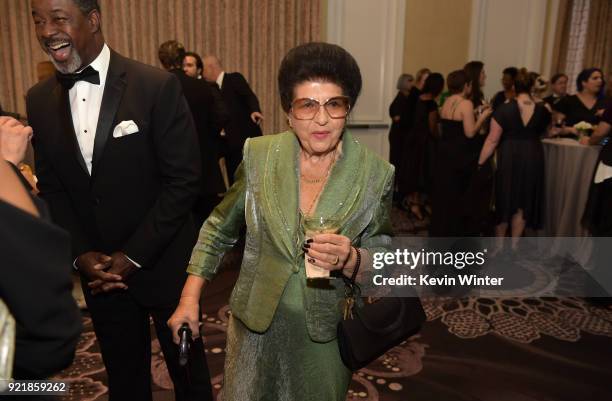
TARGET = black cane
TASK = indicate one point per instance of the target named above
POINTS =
(185, 343)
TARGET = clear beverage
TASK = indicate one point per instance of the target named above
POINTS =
(312, 226)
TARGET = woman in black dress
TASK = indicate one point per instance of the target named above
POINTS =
(477, 78)
(598, 213)
(456, 159)
(587, 105)
(507, 81)
(414, 173)
(400, 112)
(519, 183)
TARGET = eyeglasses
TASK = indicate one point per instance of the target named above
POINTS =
(307, 108)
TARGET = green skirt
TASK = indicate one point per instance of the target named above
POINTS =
(283, 363)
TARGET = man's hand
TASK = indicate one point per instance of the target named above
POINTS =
(14, 137)
(120, 266)
(257, 117)
(93, 266)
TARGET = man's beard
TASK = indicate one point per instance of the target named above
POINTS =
(70, 66)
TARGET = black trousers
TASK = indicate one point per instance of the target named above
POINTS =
(233, 157)
(122, 327)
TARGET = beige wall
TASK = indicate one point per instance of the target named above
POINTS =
(437, 35)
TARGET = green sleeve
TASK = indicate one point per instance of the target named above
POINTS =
(221, 230)
(377, 236)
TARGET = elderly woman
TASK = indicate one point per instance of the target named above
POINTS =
(281, 341)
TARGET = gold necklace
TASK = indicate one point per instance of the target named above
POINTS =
(318, 180)
(311, 181)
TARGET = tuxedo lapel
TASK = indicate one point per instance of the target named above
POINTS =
(66, 126)
(113, 92)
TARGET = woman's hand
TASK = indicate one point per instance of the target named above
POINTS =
(188, 312)
(485, 111)
(15, 138)
(330, 251)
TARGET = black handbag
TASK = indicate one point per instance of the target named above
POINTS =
(376, 327)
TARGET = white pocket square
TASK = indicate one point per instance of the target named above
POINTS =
(125, 128)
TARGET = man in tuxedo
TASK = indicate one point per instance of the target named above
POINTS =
(117, 160)
(210, 116)
(243, 106)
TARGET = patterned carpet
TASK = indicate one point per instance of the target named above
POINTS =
(480, 349)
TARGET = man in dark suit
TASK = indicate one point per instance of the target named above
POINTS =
(117, 160)
(210, 116)
(243, 107)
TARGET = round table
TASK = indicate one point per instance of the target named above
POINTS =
(569, 169)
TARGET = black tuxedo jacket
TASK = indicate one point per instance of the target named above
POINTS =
(142, 186)
(241, 102)
(210, 116)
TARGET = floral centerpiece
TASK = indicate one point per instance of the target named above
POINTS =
(584, 128)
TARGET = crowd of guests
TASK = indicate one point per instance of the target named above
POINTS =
(131, 161)
(127, 161)
(443, 145)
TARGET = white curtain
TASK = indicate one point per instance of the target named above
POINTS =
(579, 24)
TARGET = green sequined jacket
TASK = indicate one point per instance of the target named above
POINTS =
(265, 197)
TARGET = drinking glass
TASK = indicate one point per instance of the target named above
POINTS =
(312, 226)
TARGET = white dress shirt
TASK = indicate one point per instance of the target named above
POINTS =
(220, 79)
(85, 103)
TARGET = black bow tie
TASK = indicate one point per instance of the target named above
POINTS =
(88, 74)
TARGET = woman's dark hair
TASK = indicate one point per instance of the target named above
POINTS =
(456, 81)
(473, 70)
(434, 84)
(557, 77)
(523, 83)
(585, 75)
(198, 59)
(510, 71)
(318, 61)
